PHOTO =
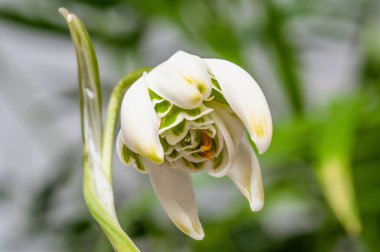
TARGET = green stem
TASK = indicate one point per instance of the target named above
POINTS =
(112, 116)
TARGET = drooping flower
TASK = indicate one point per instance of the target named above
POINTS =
(190, 115)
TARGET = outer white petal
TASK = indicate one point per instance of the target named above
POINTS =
(182, 79)
(140, 124)
(246, 99)
(175, 192)
(246, 174)
(130, 159)
(194, 69)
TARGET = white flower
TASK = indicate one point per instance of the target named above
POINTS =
(189, 115)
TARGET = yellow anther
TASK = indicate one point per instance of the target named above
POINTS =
(206, 145)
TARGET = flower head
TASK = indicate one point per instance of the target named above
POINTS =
(189, 115)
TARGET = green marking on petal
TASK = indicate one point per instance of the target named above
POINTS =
(139, 164)
(188, 142)
(188, 138)
(155, 98)
(196, 157)
(218, 97)
(192, 165)
(173, 156)
(163, 108)
(197, 166)
(193, 112)
(200, 120)
(132, 158)
(126, 155)
(210, 98)
(215, 146)
(208, 129)
(216, 85)
(176, 115)
(219, 143)
(178, 130)
(218, 160)
(171, 119)
(177, 133)
(201, 88)
(196, 137)
(216, 92)
(166, 146)
(169, 150)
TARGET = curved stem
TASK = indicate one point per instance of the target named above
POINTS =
(113, 110)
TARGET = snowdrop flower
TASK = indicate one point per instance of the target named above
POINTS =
(190, 115)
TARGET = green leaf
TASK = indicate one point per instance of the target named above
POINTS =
(98, 146)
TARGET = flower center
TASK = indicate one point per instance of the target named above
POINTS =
(206, 146)
(190, 137)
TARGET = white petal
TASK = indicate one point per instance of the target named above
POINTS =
(194, 69)
(229, 149)
(175, 192)
(140, 124)
(128, 157)
(182, 79)
(174, 118)
(246, 174)
(246, 99)
(173, 137)
(233, 124)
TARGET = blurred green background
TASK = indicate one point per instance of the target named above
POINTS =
(318, 62)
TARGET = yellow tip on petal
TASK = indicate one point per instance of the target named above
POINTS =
(246, 99)
(257, 203)
(154, 156)
(189, 227)
(259, 129)
(260, 132)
